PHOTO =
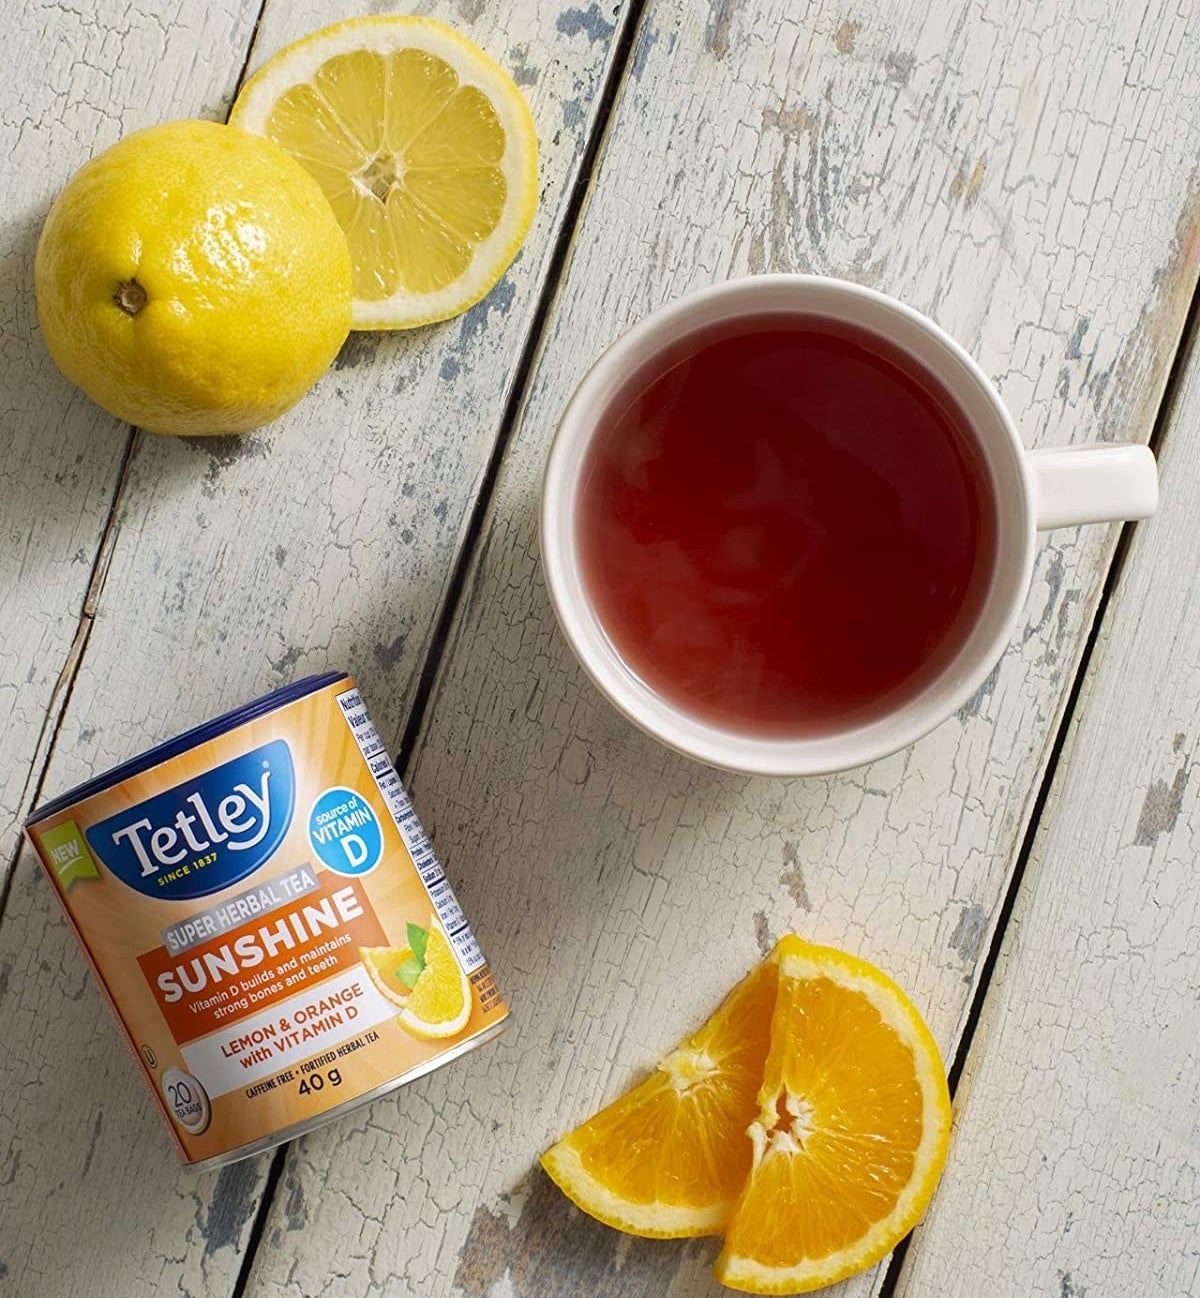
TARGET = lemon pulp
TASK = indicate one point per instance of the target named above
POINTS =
(424, 148)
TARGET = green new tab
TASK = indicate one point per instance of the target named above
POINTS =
(68, 855)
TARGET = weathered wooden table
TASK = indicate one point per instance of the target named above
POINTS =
(1025, 171)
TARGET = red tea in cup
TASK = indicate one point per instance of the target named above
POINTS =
(785, 525)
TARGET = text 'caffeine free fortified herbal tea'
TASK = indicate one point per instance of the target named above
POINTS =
(268, 920)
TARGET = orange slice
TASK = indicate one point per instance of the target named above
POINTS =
(440, 1002)
(668, 1158)
(851, 1132)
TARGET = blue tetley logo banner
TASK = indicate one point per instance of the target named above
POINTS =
(205, 834)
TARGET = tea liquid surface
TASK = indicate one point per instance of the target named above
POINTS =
(785, 526)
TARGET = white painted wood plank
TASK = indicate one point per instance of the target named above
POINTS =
(238, 565)
(72, 80)
(1075, 1167)
(1043, 209)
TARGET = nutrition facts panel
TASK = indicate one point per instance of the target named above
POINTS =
(415, 839)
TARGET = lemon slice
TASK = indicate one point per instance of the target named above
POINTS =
(425, 149)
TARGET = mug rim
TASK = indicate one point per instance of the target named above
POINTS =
(745, 753)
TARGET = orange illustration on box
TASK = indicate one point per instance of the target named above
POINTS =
(424, 979)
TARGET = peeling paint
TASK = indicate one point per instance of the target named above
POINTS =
(716, 30)
(500, 300)
(234, 1199)
(978, 701)
(286, 660)
(781, 216)
(968, 935)
(792, 122)
(224, 452)
(1146, 356)
(898, 65)
(762, 933)
(646, 42)
(553, 1248)
(967, 187)
(846, 35)
(793, 881)
(575, 763)
(358, 349)
(1054, 576)
(792, 877)
(388, 655)
(590, 21)
(294, 1209)
(1067, 1288)
(1161, 807)
(519, 67)
(757, 260)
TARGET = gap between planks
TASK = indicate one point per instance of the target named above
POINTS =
(609, 90)
(60, 698)
(64, 686)
(1185, 345)
(464, 559)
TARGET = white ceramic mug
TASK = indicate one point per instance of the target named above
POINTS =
(1033, 491)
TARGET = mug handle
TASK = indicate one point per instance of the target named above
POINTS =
(1093, 484)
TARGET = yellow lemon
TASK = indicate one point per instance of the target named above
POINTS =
(424, 147)
(192, 279)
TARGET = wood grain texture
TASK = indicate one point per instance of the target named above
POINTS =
(74, 81)
(1075, 1166)
(237, 565)
(1043, 211)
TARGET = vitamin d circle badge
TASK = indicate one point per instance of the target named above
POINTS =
(344, 832)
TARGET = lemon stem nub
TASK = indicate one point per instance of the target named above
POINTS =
(130, 296)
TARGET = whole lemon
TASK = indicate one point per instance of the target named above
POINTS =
(193, 279)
